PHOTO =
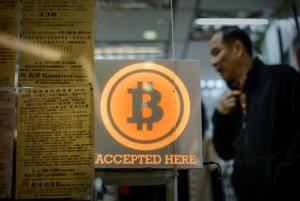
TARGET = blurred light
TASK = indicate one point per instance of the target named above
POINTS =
(217, 26)
(98, 183)
(210, 83)
(126, 49)
(205, 27)
(231, 21)
(134, 6)
(244, 26)
(37, 50)
(219, 83)
(150, 35)
(214, 93)
(129, 52)
(128, 56)
(206, 93)
(203, 83)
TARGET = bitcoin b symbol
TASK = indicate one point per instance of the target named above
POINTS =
(145, 106)
(138, 104)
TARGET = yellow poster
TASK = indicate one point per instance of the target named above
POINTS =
(7, 116)
(55, 143)
(59, 36)
(8, 31)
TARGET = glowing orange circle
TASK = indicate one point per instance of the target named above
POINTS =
(116, 106)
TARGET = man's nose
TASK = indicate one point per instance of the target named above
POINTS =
(214, 61)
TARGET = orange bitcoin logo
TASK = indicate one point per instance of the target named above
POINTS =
(145, 106)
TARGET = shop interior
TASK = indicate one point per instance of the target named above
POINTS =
(153, 30)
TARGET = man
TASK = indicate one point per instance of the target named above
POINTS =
(257, 123)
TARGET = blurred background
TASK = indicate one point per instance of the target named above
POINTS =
(180, 29)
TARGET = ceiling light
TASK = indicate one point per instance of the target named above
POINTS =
(231, 21)
(150, 35)
(219, 83)
(126, 49)
(203, 83)
(135, 5)
(210, 83)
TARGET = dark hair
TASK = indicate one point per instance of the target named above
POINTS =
(233, 33)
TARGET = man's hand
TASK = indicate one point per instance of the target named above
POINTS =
(227, 102)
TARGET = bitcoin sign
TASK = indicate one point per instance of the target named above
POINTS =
(145, 106)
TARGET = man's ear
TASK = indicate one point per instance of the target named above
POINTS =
(238, 48)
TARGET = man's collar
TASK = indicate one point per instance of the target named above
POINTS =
(256, 62)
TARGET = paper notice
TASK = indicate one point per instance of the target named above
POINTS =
(55, 143)
(8, 31)
(7, 115)
(60, 40)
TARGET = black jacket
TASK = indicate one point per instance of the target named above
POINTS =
(266, 151)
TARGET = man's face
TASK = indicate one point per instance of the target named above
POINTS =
(223, 57)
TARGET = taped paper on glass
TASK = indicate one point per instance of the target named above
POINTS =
(55, 143)
(9, 14)
(7, 125)
(59, 36)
